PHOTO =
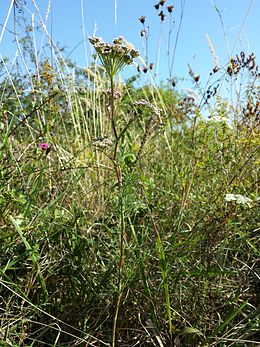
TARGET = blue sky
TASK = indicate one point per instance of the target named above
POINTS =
(200, 18)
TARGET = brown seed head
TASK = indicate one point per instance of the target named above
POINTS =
(162, 2)
(173, 83)
(142, 19)
(170, 8)
(162, 16)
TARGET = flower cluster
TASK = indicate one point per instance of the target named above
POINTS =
(157, 118)
(117, 94)
(114, 56)
(240, 62)
(102, 142)
(44, 146)
(146, 103)
(238, 199)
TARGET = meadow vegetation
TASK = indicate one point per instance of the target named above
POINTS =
(129, 212)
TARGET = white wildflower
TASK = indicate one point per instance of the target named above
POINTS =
(230, 197)
(238, 199)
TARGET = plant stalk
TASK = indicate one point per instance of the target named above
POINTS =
(118, 173)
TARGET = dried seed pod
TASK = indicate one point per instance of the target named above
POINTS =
(192, 74)
(233, 67)
(162, 2)
(162, 16)
(170, 8)
(142, 19)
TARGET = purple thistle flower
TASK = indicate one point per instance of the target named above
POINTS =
(44, 146)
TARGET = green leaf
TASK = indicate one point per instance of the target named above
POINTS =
(190, 330)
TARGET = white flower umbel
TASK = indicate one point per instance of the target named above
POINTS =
(238, 199)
